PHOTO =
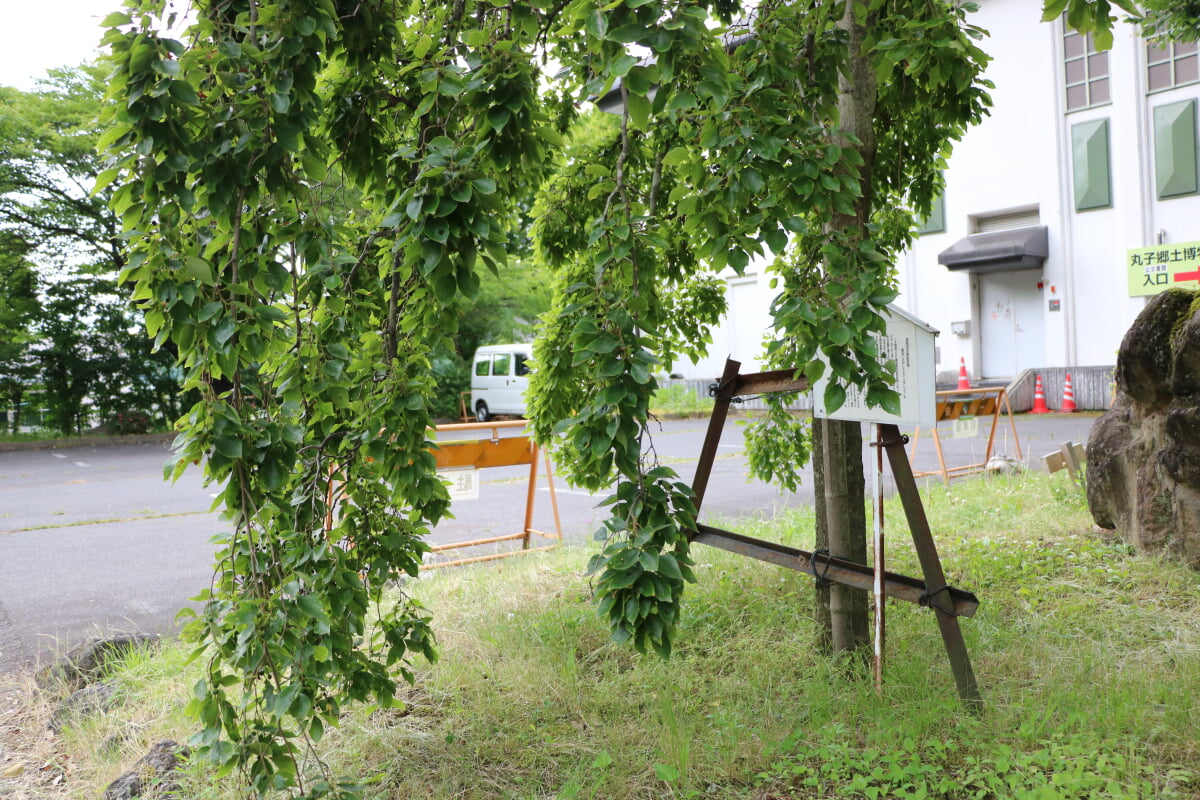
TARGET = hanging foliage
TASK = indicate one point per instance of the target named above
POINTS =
(309, 329)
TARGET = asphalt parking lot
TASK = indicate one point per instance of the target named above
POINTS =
(93, 539)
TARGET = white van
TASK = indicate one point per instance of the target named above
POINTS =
(499, 378)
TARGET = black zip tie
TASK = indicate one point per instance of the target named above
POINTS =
(822, 581)
(926, 597)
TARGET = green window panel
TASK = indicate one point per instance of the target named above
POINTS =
(1093, 173)
(1175, 149)
(936, 221)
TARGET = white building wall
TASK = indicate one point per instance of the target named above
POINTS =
(1019, 157)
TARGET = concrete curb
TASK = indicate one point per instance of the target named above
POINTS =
(87, 441)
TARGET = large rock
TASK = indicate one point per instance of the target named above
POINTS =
(153, 775)
(90, 660)
(86, 702)
(1143, 456)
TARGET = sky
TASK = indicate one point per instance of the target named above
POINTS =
(38, 35)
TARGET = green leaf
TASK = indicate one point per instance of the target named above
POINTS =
(777, 240)
(682, 101)
(498, 117)
(115, 19)
(676, 156)
(622, 65)
(625, 34)
(229, 446)
(184, 93)
(835, 397)
(639, 111)
(668, 567)
(314, 165)
(639, 81)
(199, 270)
(1053, 10)
(311, 606)
(484, 185)
(666, 772)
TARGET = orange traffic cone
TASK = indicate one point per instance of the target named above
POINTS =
(1039, 398)
(963, 383)
(1068, 403)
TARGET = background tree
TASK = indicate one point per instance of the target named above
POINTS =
(68, 363)
(79, 344)
(48, 168)
(19, 307)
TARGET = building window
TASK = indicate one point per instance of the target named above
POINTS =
(1086, 71)
(1171, 64)
(1089, 152)
(936, 221)
(1007, 220)
(1175, 149)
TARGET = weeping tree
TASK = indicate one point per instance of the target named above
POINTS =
(308, 332)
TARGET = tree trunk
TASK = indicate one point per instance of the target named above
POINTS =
(15, 396)
(838, 468)
(841, 487)
(821, 616)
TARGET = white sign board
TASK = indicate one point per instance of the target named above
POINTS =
(909, 342)
(462, 483)
(966, 428)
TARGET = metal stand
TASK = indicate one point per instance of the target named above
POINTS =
(947, 602)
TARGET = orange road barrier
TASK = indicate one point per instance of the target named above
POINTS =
(497, 451)
(494, 451)
(960, 403)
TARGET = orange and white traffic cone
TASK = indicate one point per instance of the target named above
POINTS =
(1039, 398)
(1068, 403)
(963, 383)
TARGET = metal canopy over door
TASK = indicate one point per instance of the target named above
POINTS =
(1011, 325)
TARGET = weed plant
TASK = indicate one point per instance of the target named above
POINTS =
(1087, 655)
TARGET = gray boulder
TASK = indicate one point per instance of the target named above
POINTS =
(88, 661)
(1143, 455)
(88, 701)
(154, 775)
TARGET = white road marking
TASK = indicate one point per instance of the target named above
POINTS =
(81, 464)
(58, 455)
(569, 491)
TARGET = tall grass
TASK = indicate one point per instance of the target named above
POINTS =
(1087, 655)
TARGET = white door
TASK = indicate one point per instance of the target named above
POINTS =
(1011, 325)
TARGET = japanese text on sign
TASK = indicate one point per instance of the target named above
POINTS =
(908, 344)
(463, 484)
(1157, 268)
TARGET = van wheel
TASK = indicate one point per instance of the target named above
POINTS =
(481, 412)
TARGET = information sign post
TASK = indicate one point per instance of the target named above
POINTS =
(910, 343)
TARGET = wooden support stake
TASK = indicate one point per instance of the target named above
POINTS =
(931, 566)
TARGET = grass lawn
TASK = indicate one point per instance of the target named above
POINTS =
(1087, 656)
